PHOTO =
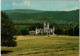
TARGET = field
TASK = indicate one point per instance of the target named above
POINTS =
(44, 46)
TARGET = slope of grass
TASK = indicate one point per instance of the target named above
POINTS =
(44, 46)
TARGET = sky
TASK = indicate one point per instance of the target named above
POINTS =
(40, 5)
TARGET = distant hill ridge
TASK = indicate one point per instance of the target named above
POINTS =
(33, 16)
(23, 11)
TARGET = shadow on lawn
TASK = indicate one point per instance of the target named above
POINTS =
(5, 51)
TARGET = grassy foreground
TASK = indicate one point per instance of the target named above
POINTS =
(44, 46)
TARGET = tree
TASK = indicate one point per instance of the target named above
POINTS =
(24, 31)
(72, 29)
(33, 26)
(7, 31)
(59, 30)
(17, 30)
(77, 30)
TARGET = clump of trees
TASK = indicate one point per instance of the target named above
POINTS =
(33, 26)
(77, 30)
(17, 30)
(25, 31)
(67, 29)
(7, 31)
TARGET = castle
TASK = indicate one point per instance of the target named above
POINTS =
(45, 31)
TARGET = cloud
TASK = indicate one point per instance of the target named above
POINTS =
(41, 5)
(56, 5)
(21, 3)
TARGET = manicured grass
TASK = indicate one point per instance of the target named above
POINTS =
(44, 46)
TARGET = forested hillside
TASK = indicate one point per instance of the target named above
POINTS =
(34, 16)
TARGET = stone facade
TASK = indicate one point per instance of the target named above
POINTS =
(45, 31)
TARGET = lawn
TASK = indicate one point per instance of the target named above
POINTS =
(44, 46)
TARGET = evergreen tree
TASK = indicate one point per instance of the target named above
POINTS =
(7, 31)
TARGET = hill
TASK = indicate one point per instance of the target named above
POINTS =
(34, 16)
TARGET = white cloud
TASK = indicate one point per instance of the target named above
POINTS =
(22, 3)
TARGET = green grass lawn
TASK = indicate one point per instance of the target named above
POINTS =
(44, 46)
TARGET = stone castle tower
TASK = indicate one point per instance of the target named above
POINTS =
(46, 25)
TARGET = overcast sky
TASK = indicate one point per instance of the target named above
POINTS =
(40, 5)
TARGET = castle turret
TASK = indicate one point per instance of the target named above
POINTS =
(53, 30)
(47, 25)
(44, 25)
